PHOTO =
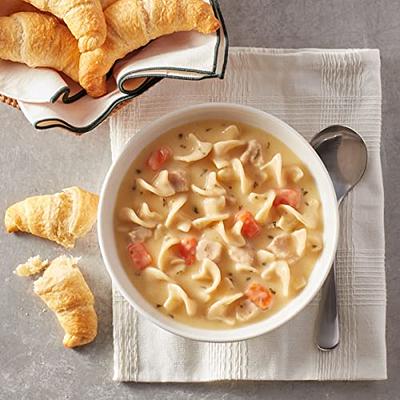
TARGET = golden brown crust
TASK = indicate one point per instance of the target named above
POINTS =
(61, 217)
(84, 18)
(106, 3)
(65, 291)
(39, 40)
(84, 211)
(132, 24)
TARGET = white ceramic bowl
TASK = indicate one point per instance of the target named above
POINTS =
(248, 116)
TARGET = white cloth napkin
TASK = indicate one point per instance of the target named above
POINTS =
(309, 89)
(183, 55)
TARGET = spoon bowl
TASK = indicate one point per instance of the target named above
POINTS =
(345, 156)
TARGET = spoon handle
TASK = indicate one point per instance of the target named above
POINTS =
(328, 321)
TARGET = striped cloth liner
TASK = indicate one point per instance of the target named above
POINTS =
(309, 89)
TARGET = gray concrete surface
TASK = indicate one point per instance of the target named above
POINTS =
(33, 365)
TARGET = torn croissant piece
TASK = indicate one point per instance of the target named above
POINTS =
(62, 217)
(134, 23)
(33, 266)
(39, 40)
(65, 291)
(84, 18)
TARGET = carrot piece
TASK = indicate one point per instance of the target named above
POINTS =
(140, 257)
(187, 250)
(290, 197)
(261, 296)
(250, 227)
(159, 157)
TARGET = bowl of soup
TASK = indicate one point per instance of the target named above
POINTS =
(218, 222)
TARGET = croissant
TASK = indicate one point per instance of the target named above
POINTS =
(106, 3)
(65, 291)
(39, 40)
(84, 18)
(132, 24)
(62, 217)
(33, 266)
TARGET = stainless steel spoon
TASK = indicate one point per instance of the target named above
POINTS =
(344, 154)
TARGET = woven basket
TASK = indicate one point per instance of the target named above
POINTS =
(14, 103)
(9, 101)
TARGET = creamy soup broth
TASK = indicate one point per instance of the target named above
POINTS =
(249, 275)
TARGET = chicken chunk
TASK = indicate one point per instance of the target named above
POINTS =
(246, 310)
(289, 246)
(253, 154)
(281, 246)
(179, 180)
(242, 255)
(140, 234)
(230, 200)
(208, 249)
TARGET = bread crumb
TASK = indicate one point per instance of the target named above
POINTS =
(32, 267)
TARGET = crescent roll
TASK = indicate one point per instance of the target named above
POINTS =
(134, 23)
(84, 18)
(62, 217)
(39, 40)
(64, 290)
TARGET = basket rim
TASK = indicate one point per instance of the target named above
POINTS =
(9, 101)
